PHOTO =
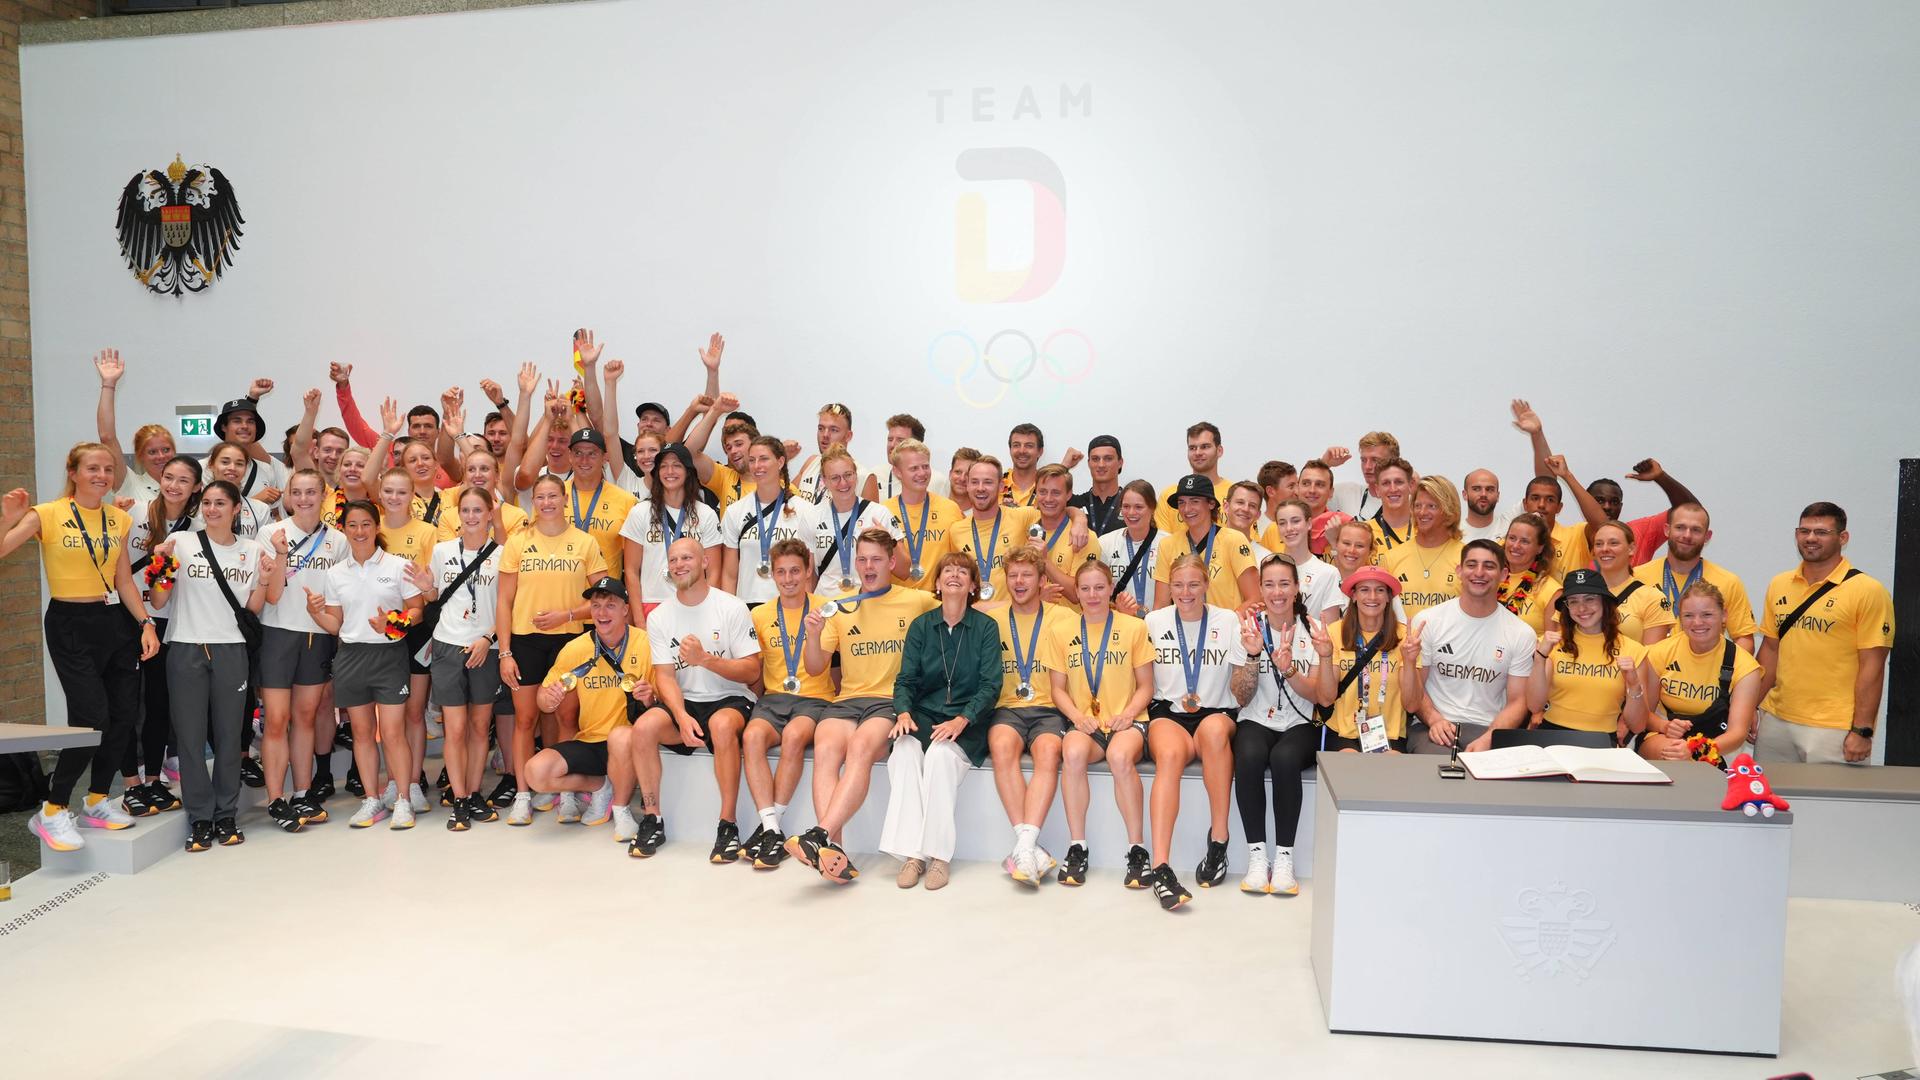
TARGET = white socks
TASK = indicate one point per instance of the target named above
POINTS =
(1025, 837)
(770, 817)
(1257, 849)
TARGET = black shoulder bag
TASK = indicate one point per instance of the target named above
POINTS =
(1324, 713)
(249, 623)
(1133, 565)
(420, 633)
(1793, 620)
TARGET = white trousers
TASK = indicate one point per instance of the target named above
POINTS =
(1784, 740)
(924, 786)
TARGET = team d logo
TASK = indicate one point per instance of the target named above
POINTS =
(179, 227)
(1554, 933)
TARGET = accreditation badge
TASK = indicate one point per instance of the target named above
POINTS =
(1373, 734)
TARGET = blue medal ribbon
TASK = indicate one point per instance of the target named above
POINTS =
(1094, 672)
(673, 529)
(790, 652)
(766, 531)
(1191, 667)
(986, 563)
(843, 537)
(592, 505)
(916, 538)
(851, 603)
(1023, 664)
(1675, 591)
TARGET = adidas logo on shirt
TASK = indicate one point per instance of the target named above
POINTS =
(1445, 650)
(1168, 636)
(1674, 666)
(854, 632)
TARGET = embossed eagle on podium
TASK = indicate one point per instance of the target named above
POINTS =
(179, 227)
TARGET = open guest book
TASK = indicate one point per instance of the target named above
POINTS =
(1613, 766)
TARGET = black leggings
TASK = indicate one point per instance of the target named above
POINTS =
(95, 649)
(1289, 753)
(156, 719)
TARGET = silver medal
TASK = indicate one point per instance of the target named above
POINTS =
(986, 592)
(765, 570)
(1024, 692)
(917, 570)
(828, 609)
(1035, 532)
(790, 684)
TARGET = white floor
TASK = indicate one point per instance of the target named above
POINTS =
(509, 951)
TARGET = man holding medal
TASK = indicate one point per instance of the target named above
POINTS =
(790, 705)
(992, 529)
(704, 655)
(608, 672)
(1024, 718)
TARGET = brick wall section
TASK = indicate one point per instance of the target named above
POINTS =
(21, 690)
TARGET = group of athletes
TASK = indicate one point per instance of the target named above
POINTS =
(580, 598)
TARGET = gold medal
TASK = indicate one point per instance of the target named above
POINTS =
(629, 683)
(569, 680)
(1094, 708)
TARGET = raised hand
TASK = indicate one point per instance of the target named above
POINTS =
(1250, 638)
(529, 379)
(1410, 645)
(792, 447)
(310, 401)
(1549, 641)
(1524, 417)
(390, 416)
(1072, 457)
(259, 388)
(815, 621)
(554, 401)
(1336, 456)
(1557, 465)
(1322, 643)
(15, 505)
(613, 370)
(1648, 470)
(280, 543)
(450, 399)
(586, 347)
(726, 402)
(108, 363)
(710, 356)
(490, 389)
(340, 373)
(316, 602)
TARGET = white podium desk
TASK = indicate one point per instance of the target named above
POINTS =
(1545, 910)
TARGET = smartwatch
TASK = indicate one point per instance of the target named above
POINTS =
(1863, 732)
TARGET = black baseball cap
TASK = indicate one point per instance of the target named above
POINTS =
(237, 405)
(1585, 582)
(1196, 485)
(611, 586)
(1105, 440)
(679, 450)
(588, 435)
(641, 410)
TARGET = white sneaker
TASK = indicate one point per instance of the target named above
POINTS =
(1282, 882)
(569, 809)
(1026, 871)
(600, 805)
(624, 827)
(391, 795)
(1256, 879)
(105, 814)
(371, 811)
(522, 812)
(417, 797)
(58, 830)
(1043, 862)
(435, 728)
(495, 763)
(545, 801)
(402, 816)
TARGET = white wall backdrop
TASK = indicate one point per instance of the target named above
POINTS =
(1682, 230)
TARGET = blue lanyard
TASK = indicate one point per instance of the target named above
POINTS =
(1088, 668)
(674, 529)
(766, 531)
(1674, 593)
(1205, 551)
(601, 652)
(592, 505)
(1065, 520)
(790, 653)
(852, 603)
(1191, 668)
(916, 538)
(843, 538)
(1023, 664)
(986, 564)
(296, 561)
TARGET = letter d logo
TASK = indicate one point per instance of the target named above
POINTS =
(972, 280)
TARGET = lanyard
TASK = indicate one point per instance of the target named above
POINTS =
(1059, 531)
(916, 538)
(843, 538)
(1205, 551)
(1386, 530)
(592, 505)
(852, 603)
(1191, 667)
(790, 652)
(1088, 668)
(473, 593)
(1023, 663)
(986, 564)
(298, 560)
(1100, 513)
(1360, 648)
(1675, 592)
(766, 531)
(106, 542)
(1266, 635)
(673, 528)
(601, 652)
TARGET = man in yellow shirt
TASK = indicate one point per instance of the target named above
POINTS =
(608, 672)
(1688, 530)
(1053, 490)
(991, 528)
(926, 519)
(791, 703)
(1024, 444)
(1825, 638)
(1232, 581)
(594, 506)
(1025, 719)
(1203, 459)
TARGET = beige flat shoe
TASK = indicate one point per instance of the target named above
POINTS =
(936, 875)
(910, 872)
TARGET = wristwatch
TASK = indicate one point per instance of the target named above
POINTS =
(1863, 732)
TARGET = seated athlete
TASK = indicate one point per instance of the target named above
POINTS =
(791, 703)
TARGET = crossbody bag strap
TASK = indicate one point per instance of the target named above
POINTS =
(219, 576)
(1793, 619)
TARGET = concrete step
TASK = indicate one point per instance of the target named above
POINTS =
(122, 851)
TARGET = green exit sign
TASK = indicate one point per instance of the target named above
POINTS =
(192, 427)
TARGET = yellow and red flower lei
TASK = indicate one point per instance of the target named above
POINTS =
(398, 620)
(160, 572)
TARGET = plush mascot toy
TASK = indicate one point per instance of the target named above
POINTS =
(1748, 790)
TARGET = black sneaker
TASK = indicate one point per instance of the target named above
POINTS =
(1168, 888)
(227, 833)
(773, 851)
(321, 791)
(200, 837)
(462, 817)
(653, 833)
(726, 844)
(479, 810)
(443, 781)
(282, 814)
(354, 787)
(1073, 869)
(134, 801)
(310, 812)
(251, 774)
(806, 846)
(834, 864)
(1138, 874)
(750, 850)
(1212, 869)
(446, 797)
(343, 736)
(161, 797)
(502, 796)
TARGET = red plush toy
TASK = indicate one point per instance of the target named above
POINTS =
(1747, 788)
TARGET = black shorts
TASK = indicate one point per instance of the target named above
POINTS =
(583, 758)
(535, 654)
(702, 712)
(1164, 710)
(290, 658)
(370, 673)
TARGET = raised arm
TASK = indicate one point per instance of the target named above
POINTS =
(588, 351)
(1528, 421)
(350, 417)
(610, 375)
(108, 363)
(678, 432)
(1649, 470)
(453, 418)
(498, 399)
(300, 453)
(529, 381)
(257, 449)
(1589, 506)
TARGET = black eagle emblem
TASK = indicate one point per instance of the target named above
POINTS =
(179, 227)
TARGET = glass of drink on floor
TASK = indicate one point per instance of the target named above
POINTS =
(6, 880)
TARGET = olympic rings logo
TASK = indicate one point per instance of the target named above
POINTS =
(983, 376)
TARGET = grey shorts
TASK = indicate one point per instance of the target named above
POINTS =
(860, 709)
(290, 658)
(779, 710)
(1030, 721)
(370, 674)
(1104, 739)
(455, 684)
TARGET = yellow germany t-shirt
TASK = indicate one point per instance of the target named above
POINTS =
(1231, 556)
(1642, 610)
(1588, 692)
(936, 537)
(1571, 549)
(552, 572)
(74, 573)
(438, 509)
(603, 704)
(725, 484)
(1739, 608)
(1387, 540)
(1064, 557)
(1128, 649)
(1012, 494)
(1167, 516)
(1813, 678)
(602, 520)
(512, 514)
(870, 638)
(1012, 531)
(1689, 681)
(1383, 687)
(413, 542)
(1537, 610)
(1428, 576)
(773, 660)
(1049, 618)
